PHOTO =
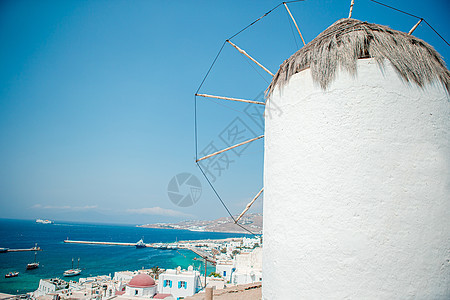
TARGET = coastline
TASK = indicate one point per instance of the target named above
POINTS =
(95, 259)
(193, 230)
(253, 223)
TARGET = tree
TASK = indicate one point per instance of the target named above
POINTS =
(156, 271)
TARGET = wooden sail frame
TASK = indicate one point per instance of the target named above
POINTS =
(249, 205)
(229, 98)
(251, 58)
(229, 148)
(295, 23)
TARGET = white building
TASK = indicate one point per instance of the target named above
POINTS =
(179, 283)
(141, 285)
(122, 278)
(357, 172)
(248, 267)
(224, 268)
(250, 242)
(48, 286)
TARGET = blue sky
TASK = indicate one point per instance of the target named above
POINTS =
(96, 100)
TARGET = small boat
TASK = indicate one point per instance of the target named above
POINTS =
(141, 244)
(40, 221)
(12, 274)
(4, 250)
(73, 272)
(33, 265)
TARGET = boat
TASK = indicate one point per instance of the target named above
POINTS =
(172, 247)
(12, 274)
(73, 272)
(4, 250)
(141, 244)
(33, 265)
(40, 221)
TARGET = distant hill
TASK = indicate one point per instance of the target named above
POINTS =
(251, 221)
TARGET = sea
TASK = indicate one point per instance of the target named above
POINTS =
(56, 256)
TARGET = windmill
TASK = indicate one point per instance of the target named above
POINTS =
(356, 169)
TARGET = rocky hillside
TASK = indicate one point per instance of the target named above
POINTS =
(252, 222)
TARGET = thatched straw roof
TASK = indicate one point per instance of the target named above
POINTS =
(347, 40)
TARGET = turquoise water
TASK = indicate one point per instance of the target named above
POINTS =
(94, 259)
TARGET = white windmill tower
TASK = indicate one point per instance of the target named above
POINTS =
(357, 169)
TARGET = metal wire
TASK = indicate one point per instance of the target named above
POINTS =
(195, 107)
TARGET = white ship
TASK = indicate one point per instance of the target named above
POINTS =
(40, 221)
(73, 272)
(141, 244)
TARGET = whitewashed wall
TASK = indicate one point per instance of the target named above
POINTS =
(357, 189)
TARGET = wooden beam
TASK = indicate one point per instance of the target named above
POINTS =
(248, 206)
(229, 148)
(251, 58)
(228, 98)
(351, 9)
(414, 27)
(295, 23)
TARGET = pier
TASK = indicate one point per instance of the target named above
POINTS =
(202, 254)
(162, 246)
(21, 250)
(102, 243)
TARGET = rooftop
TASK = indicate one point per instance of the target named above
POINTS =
(347, 40)
(251, 291)
(142, 280)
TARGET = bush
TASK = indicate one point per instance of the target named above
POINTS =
(215, 274)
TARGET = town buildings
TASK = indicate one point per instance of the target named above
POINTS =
(238, 261)
(125, 285)
(244, 268)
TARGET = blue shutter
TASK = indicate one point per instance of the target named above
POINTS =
(165, 283)
(170, 283)
(185, 285)
(179, 284)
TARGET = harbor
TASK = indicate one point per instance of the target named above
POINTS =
(95, 259)
(186, 245)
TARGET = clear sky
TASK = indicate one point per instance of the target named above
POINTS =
(96, 99)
